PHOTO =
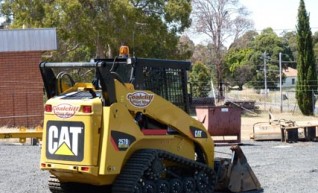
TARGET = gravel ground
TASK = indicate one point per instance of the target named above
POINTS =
(283, 167)
(280, 167)
(20, 171)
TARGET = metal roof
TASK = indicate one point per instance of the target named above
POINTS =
(42, 39)
(290, 72)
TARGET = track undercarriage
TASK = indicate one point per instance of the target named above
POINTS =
(163, 172)
(152, 171)
(158, 171)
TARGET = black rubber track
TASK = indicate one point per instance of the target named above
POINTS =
(141, 160)
(56, 187)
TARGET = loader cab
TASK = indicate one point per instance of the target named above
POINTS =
(167, 78)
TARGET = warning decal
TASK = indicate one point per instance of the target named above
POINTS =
(65, 140)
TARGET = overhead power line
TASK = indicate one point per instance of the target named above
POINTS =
(282, 29)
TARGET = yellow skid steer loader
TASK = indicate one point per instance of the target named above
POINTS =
(122, 125)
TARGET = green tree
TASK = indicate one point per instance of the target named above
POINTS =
(245, 41)
(290, 47)
(238, 66)
(272, 78)
(199, 78)
(96, 28)
(267, 41)
(315, 38)
(244, 63)
(307, 75)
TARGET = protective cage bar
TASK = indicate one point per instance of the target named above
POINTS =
(167, 78)
(105, 62)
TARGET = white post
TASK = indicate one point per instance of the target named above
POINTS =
(265, 73)
(212, 87)
(265, 79)
(280, 82)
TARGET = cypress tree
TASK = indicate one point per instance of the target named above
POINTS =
(306, 67)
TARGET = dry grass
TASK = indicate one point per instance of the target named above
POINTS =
(248, 121)
(270, 103)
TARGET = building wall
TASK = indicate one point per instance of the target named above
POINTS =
(21, 89)
(289, 82)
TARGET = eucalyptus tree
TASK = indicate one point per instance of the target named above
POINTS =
(239, 68)
(290, 50)
(246, 54)
(185, 48)
(267, 46)
(96, 28)
(220, 20)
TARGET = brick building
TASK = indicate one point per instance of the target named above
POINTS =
(21, 87)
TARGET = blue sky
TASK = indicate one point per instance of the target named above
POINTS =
(281, 15)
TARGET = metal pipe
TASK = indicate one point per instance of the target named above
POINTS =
(69, 64)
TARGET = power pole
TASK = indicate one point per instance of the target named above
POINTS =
(265, 73)
(280, 82)
(265, 77)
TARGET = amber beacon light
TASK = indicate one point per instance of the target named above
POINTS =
(124, 51)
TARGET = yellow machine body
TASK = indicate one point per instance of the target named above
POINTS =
(111, 135)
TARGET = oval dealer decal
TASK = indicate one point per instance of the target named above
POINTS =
(140, 99)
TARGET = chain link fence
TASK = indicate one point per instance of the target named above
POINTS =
(270, 101)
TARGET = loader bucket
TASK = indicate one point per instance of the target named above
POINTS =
(236, 174)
